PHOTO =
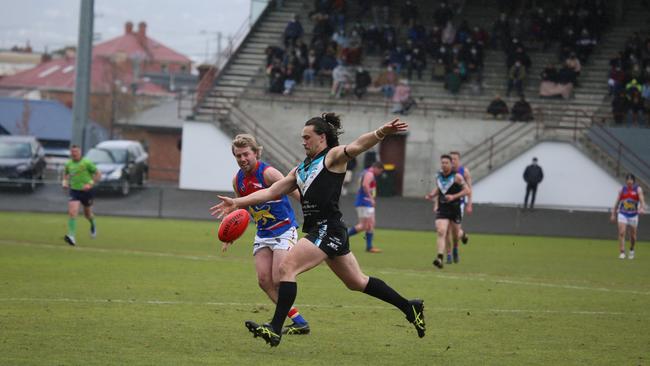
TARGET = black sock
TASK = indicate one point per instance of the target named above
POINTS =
(286, 296)
(382, 291)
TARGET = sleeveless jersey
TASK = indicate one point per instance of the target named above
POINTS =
(362, 197)
(320, 190)
(273, 217)
(629, 205)
(447, 185)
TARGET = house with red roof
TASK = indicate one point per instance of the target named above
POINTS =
(117, 70)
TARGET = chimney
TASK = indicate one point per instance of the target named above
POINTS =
(142, 30)
(128, 28)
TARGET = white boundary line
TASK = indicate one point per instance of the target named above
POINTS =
(327, 306)
(467, 277)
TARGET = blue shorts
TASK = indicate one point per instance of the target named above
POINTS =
(85, 197)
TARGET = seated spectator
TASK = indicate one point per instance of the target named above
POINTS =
(415, 60)
(338, 13)
(311, 68)
(408, 13)
(397, 58)
(553, 85)
(619, 107)
(362, 82)
(501, 32)
(498, 108)
(453, 81)
(341, 81)
(273, 53)
(402, 100)
(443, 14)
(327, 63)
(635, 109)
(439, 70)
(573, 65)
(351, 55)
(276, 78)
(632, 87)
(616, 81)
(290, 79)
(521, 56)
(449, 33)
(516, 78)
(584, 45)
(388, 37)
(292, 31)
(372, 39)
(386, 82)
(521, 111)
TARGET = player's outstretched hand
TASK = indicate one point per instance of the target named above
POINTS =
(394, 126)
(226, 206)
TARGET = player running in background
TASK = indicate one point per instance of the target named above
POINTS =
(319, 178)
(629, 204)
(276, 223)
(365, 204)
(79, 176)
(465, 204)
(450, 187)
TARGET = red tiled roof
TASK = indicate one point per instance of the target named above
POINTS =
(60, 74)
(131, 46)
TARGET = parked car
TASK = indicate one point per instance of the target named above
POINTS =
(22, 161)
(55, 160)
(123, 163)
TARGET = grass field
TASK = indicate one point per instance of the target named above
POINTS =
(159, 292)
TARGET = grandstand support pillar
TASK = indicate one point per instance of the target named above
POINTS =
(82, 73)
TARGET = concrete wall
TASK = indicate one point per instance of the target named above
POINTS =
(429, 137)
(206, 159)
(571, 180)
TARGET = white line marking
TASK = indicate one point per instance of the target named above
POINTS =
(328, 306)
(484, 278)
(467, 277)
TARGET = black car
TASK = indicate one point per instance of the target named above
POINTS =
(123, 163)
(22, 161)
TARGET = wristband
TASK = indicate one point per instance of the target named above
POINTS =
(378, 132)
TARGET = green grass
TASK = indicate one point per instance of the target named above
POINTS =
(159, 292)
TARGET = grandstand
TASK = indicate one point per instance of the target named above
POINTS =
(237, 98)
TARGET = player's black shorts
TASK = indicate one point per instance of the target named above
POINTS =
(331, 238)
(452, 214)
(85, 197)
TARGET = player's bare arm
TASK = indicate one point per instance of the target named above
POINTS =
(612, 217)
(468, 180)
(339, 156)
(228, 204)
(641, 201)
(272, 175)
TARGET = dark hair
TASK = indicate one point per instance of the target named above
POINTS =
(328, 124)
(630, 176)
(378, 164)
(445, 156)
(454, 153)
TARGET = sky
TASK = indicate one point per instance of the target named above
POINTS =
(187, 26)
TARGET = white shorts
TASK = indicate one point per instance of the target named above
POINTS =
(365, 212)
(284, 241)
(630, 221)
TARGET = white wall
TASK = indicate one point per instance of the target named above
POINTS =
(571, 180)
(206, 159)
